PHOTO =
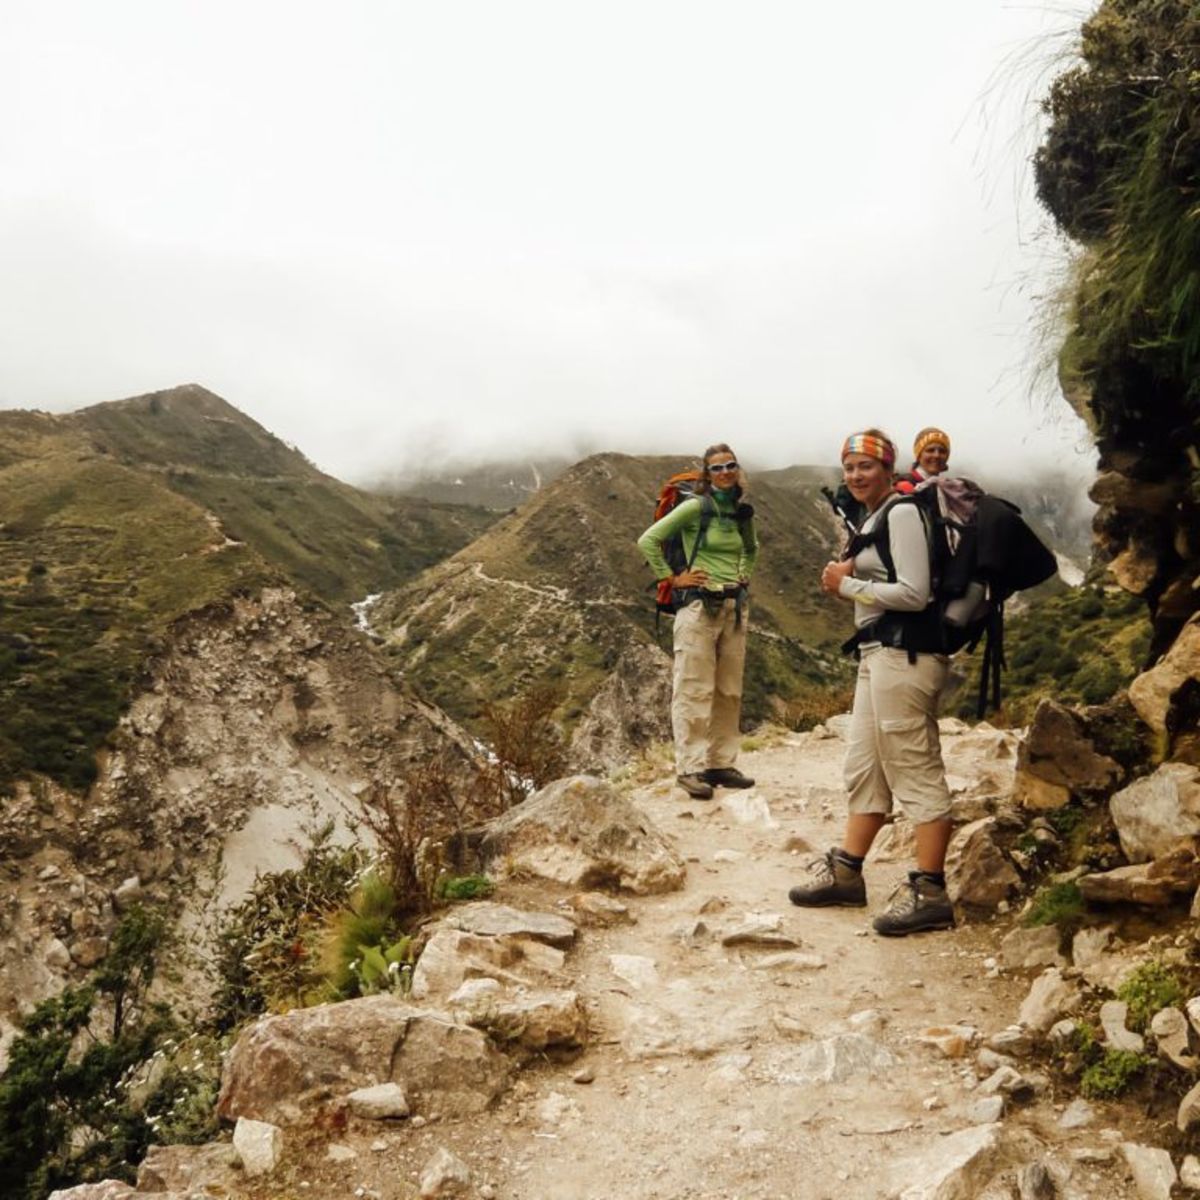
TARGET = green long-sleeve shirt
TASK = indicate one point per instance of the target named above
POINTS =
(727, 553)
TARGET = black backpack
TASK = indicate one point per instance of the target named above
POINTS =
(981, 553)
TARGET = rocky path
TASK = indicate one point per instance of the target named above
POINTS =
(740, 1047)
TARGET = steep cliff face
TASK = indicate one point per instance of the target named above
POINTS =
(261, 717)
(1120, 171)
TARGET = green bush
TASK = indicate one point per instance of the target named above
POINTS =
(70, 1111)
(465, 887)
(1152, 986)
(1113, 1073)
(1060, 904)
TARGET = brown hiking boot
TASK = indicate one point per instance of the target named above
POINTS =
(918, 903)
(727, 777)
(830, 882)
(695, 785)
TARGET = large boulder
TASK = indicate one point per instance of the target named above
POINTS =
(581, 832)
(1154, 812)
(1058, 752)
(282, 1064)
(630, 709)
(451, 957)
(978, 875)
(1154, 693)
(499, 920)
(212, 1167)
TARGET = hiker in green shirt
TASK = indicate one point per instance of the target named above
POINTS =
(711, 608)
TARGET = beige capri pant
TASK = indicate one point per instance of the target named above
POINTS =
(706, 699)
(893, 748)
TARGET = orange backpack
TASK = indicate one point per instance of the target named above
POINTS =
(674, 492)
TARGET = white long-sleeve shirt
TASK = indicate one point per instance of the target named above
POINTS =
(869, 588)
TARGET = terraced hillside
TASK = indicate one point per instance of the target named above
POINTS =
(558, 591)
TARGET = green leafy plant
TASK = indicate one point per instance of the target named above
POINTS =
(1113, 1073)
(384, 968)
(360, 938)
(465, 887)
(1060, 904)
(1151, 987)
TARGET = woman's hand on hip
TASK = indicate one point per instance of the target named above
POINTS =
(690, 579)
(834, 573)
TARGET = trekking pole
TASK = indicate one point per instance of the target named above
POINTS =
(827, 492)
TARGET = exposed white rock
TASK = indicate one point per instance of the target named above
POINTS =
(978, 875)
(1188, 1113)
(384, 1102)
(1022, 949)
(1049, 998)
(1170, 1029)
(445, 1174)
(836, 1059)
(749, 808)
(1154, 812)
(760, 929)
(1189, 1173)
(259, 1145)
(1113, 1015)
(500, 920)
(1154, 1173)
(956, 1166)
(986, 1110)
(635, 969)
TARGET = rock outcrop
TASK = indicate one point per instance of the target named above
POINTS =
(581, 832)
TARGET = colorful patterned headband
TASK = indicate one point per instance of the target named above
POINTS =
(871, 446)
(931, 437)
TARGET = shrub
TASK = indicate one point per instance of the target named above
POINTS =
(1113, 1073)
(267, 949)
(525, 743)
(465, 887)
(68, 1113)
(1152, 986)
(1060, 904)
(364, 942)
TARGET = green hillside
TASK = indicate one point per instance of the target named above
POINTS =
(118, 519)
(557, 590)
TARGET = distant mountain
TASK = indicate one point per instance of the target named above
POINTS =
(558, 591)
(335, 539)
(500, 486)
(117, 520)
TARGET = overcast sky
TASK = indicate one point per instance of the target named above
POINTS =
(393, 232)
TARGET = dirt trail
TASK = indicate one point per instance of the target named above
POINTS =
(702, 1055)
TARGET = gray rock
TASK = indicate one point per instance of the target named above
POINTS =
(1078, 1114)
(989, 1060)
(986, 1110)
(189, 1169)
(1188, 1113)
(57, 955)
(1049, 998)
(1014, 1040)
(581, 832)
(533, 1022)
(383, 1102)
(279, 1065)
(1154, 693)
(954, 1168)
(1151, 885)
(763, 930)
(836, 1059)
(259, 1145)
(1057, 749)
(1006, 1081)
(445, 1174)
(1113, 1015)
(1170, 1029)
(1061, 1032)
(595, 908)
(108, 1189)
(1021, 948)
(452, 956)
(1153, 1171)
(499, 920)
(89, 951)
(127, 894)
(978, 875)
(1154, 812)
(793, 960)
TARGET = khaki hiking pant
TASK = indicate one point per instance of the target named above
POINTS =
(706, 701)
(894, 749)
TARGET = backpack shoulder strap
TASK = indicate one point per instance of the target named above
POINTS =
(707, 508)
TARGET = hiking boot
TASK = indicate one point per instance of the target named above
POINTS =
(727, 777)
(695, 785)
(830, 881)
(918, 903)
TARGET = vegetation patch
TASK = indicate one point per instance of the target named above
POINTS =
(1151, 987)
(1059, 904)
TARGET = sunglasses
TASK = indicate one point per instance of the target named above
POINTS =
(715, 468)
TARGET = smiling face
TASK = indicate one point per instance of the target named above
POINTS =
(868, 479)
(723, 470)
(933, 458)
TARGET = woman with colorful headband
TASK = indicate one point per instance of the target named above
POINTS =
(931, 456)
(893, 750)
(710, 622)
